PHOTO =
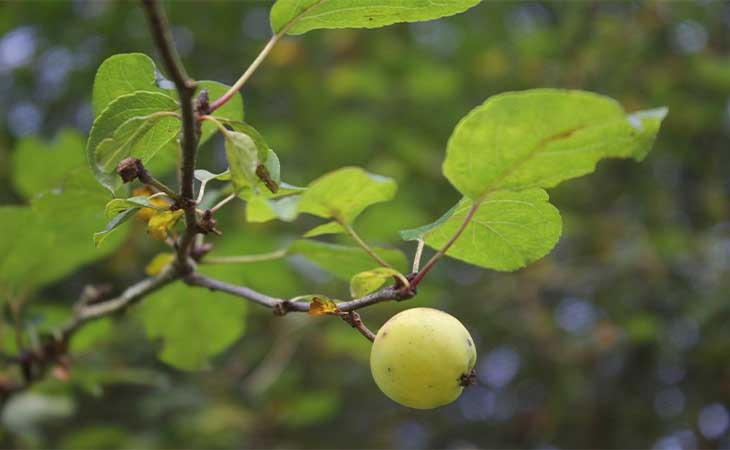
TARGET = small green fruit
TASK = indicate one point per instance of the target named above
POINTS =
(422, 358)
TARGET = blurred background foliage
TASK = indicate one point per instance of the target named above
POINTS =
(616, 339)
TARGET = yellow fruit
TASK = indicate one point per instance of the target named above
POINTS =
(422, 358)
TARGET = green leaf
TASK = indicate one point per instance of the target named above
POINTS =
(343, 261)
(193, 324)
(508, 231)
(369, 281)
(114, 223)
(120, 75)
(260, 209)
(326, 228)
(24, 245)
(313, 14)
(345, 193)
(540, 137)
(132, 125)
(38, 166)
(204, 176)
(242, 158)
(232, 110)
(118, 205)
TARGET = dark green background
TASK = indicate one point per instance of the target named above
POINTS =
(617, 339)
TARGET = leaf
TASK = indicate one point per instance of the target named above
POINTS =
(112, 225)
(344, 193)
(161, 223)
(204, 176)
(313, 14)
(540, 137)
(321, 306)
(135, 124)
(268, 169)
(369, 281)
(242, 159)
(38, 166)
(120, 75)
(159, 262)
(194, 324)
(260, 209)
(232, 110)
(508, 231)
(118, 205)
(343, 261)
(326, 228)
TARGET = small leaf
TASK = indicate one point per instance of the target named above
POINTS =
(132, 125)
(371, 280)
(120, 75)
(326, 228)
(159, 262)
(313, 14)
(321, 306)
(343, 261)
(112, 225)
(117, 205)
(508, 231)
(204, 176)
(260, 209)
(161, 223)
(345, 193)
(242, 159)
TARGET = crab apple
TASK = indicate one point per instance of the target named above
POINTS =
(422, 358)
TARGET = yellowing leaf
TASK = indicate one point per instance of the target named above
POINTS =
(161, 223)
(321, 306)
(369, 281)
(159, 262)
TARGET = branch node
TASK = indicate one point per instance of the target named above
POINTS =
(130, 168)
(282, 308)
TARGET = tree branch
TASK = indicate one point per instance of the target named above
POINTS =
(189, 142)
(282, 306)
(85, 312)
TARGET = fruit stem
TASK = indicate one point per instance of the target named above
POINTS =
(434, 259)
(355, 321)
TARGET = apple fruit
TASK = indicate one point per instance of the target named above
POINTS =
(422, 358)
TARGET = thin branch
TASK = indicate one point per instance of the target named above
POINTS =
(84, 312)
(222, 203)
(247, 74)
(434, 259)
(245, 259)
(362, 243)
(259, 59)
(146, 178)
(196, 279)
(185, 88)
(282, 306)
(353, 318)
